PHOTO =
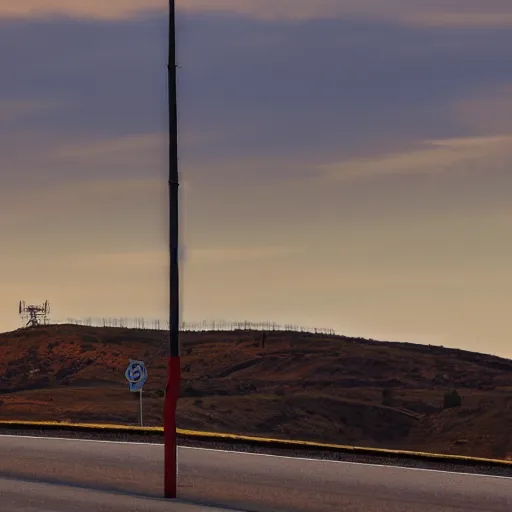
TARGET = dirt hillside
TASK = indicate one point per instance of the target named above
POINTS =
(298, 386)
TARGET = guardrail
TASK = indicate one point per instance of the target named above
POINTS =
(248, 440)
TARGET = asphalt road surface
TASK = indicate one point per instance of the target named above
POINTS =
(66, 475)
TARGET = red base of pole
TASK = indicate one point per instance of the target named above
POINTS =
(172, 392)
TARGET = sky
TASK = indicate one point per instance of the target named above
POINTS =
(343, 163)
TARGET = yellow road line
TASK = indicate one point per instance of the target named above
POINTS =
(257, 440)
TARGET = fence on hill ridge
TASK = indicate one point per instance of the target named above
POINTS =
(213, 325)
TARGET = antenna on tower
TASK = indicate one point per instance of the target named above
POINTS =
(34, 315)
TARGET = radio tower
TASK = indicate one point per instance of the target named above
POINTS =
(34, 315)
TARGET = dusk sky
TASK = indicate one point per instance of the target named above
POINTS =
(344, 163)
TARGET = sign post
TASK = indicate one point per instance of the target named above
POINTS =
(140, 408)
(136, 375)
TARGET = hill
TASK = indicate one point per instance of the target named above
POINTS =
(303, 386)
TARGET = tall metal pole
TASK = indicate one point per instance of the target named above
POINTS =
(174, 369)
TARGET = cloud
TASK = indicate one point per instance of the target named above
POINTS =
(465, 13)
(141, 150)
(81, 211)
(240, 254)
(128, 261)
(72, 193)
(438, 13)
(249, 113)
(254, 110)
(147, 150)
(96, 9)
(482, 154)
(12, 110)
(158, 259)
(488, 111)
(115, 146)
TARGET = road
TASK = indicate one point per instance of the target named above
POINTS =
(67, 475)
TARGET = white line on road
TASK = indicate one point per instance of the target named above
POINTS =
(262, 455)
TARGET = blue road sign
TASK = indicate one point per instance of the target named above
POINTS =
(136, 375)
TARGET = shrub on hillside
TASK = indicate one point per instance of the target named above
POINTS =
(387, 397)
(452, 399)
